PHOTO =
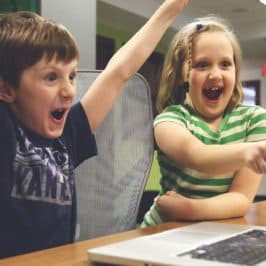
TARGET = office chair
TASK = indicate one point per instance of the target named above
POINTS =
(110, 185)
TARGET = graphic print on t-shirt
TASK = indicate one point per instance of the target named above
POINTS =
(42, 173)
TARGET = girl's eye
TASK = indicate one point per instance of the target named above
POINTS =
(51, 77)
(201, 65)
(226, 64)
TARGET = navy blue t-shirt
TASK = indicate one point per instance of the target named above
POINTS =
(37, 188)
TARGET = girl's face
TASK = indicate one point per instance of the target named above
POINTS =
(212, 75)
(44, 96)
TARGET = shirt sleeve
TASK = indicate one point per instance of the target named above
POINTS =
(78, 136)
(257, 124)
(173, 113)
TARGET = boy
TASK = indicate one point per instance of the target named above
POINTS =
(43, 138)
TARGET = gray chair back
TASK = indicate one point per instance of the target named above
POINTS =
(110, 185)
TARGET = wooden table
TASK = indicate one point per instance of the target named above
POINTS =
(76, 254)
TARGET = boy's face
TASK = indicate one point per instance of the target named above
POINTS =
(44, 96)
(212, 76)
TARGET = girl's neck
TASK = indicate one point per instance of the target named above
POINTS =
(214, 122)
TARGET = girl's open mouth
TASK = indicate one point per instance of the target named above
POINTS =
(212, 93)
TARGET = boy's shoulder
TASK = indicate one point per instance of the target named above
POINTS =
(6, 119)
(7, 135)
(3, 108)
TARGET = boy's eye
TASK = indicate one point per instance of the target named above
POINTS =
(51, 77)
(73, 76)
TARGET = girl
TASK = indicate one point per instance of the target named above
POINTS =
(209, 149)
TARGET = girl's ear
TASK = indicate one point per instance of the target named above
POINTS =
(7, 93)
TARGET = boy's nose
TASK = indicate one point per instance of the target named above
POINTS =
(68, 90)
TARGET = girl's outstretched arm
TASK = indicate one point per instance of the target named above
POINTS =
(186, 150)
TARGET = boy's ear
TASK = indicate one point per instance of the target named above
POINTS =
(7, 93)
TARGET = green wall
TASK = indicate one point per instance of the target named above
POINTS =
(154, 177)
(120, 36)
(16, 5)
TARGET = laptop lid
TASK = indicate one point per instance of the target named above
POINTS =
(189, 245)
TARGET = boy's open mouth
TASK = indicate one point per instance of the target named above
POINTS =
(212, 93)
(58, 113)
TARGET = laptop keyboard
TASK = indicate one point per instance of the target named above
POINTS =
(248, 248)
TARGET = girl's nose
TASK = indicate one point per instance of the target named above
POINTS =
(215, 74)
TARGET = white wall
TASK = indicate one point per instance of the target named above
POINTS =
(252, 71)
(79, 17)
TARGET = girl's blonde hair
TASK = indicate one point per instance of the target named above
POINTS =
(180, 52)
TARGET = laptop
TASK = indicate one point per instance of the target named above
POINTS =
(201, 244)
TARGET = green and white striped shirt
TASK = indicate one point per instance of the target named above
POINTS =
(243, 124)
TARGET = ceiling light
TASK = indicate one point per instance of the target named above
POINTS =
(263, 2)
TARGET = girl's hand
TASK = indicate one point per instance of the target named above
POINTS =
(255, 156)
(172, 205)
(178, 5)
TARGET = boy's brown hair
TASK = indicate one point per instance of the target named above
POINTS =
(25, 37)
